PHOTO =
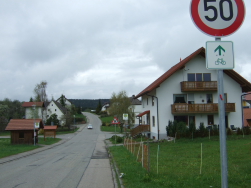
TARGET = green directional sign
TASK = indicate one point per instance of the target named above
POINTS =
(219, 55)
(219, 48)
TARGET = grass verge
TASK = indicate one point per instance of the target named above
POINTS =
(179, 164)
(7, 149)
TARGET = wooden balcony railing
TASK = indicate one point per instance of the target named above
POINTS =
(199, 86)
(183, 108)
(140, 129)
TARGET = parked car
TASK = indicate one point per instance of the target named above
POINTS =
(89, 126)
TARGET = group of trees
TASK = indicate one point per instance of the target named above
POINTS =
(10, 110)
(120, 104)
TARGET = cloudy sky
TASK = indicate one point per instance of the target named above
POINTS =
(87, 49)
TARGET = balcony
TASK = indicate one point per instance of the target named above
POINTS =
(198, 86)
(140, 129)
(183, 108)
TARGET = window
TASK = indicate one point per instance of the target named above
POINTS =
(21, 135)
(181, 119)
(209, 98)
(55, 110)
(199, 77)
(147, 101)
(191, 119)
(191, 77)
(210, 119)
(152, 101)
(153, 119)
(190, 98)
(179, 98)
(207, 77)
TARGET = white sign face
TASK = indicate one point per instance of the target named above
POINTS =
(217, 17)
(37, 125)
(125, 116)
(220, 55)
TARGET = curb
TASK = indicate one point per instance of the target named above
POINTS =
(114, 168)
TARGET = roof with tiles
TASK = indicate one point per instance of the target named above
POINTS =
(50, 127)
(246, 86)
(31, 104)
(23, 124)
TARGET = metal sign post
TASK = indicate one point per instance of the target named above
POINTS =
(222, 128)
(219, 18)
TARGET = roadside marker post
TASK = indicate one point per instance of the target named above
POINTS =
(219, 18)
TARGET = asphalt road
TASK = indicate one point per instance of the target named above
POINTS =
(82, 161)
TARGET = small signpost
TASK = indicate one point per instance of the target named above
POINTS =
(219, 18)
(116, 122)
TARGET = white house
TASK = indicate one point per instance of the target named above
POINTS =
(67, 102)
(30, 112)
(136, 108)
(104, 107)
(188, 92)
(54, 107)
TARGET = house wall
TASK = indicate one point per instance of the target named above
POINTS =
(172, 86)
(137, 109)
(29, 112)
(53, 109)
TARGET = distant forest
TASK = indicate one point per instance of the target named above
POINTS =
(88, 103)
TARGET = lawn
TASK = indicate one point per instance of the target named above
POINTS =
(5, 133)
(179, 164)
(107, 119)
(7, 149)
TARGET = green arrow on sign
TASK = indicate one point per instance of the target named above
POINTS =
(220, 49)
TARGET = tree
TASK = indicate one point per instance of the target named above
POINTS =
(31, 99)
(40, 92)
(99, 107)
(53, 118)
(62, 100)
(120, 104)
(68, 119)
(3, 116)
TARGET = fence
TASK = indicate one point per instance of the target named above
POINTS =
(140, 150)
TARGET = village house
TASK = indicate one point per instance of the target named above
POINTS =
(33, 109)
(55, 107)
(188, 92)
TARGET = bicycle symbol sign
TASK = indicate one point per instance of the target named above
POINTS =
(219, 55)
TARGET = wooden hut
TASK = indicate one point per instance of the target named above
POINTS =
(22, 130)
(50, 131)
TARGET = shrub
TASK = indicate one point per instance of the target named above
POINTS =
(246, 130)
(181, 129)
(215, 130)
(229, 131)
(118, 139)
(239, 131)
(202, 130)
(41, 131)
(171, 128)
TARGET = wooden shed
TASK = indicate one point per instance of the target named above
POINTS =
(50, 131)
(22, 130)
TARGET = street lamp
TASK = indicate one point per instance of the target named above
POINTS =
(34, 134)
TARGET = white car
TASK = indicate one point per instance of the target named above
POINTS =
(89, 126)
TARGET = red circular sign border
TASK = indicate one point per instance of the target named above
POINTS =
(217, 32)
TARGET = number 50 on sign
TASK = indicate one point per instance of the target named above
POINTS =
(217, 18)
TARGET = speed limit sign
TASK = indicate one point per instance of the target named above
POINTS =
(218, 18)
